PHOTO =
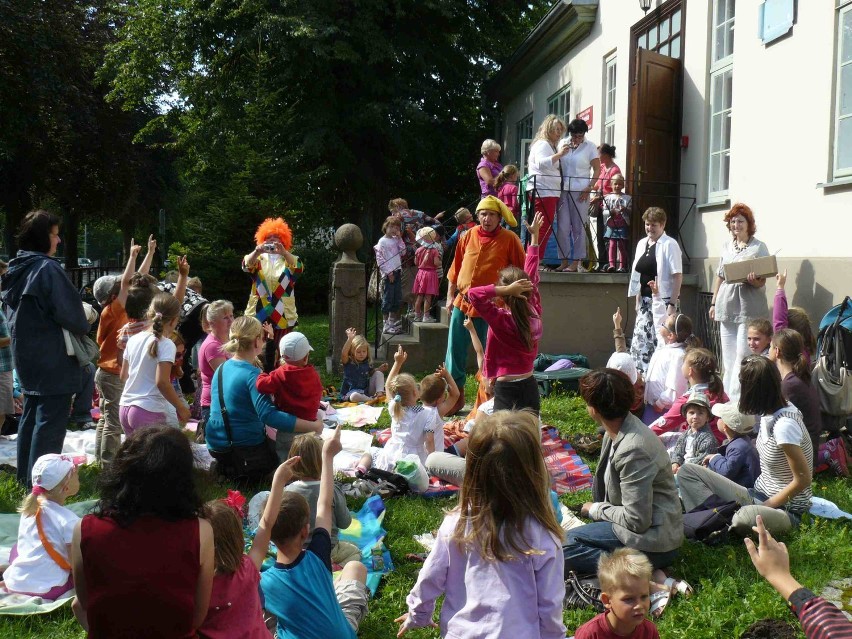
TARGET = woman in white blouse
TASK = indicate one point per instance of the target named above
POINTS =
(545, 182)
(580, 160)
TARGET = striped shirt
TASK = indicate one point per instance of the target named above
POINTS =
(784, 426)
(820, 619)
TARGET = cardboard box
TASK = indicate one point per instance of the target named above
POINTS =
(736, 272)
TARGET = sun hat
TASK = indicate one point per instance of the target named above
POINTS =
(294, 346)
(50, 470)
(491, 203)
(696, 398)
(624, 362)
(733, 418)
(426, 235)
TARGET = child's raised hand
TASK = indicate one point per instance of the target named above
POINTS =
(284, 472)
(332, 445)
(518, 288)
(781, 278)
(441, 371)
(468, 323)
(535, 227)
(183, 266)
(351, 333)
(134, 248)
(617, 320)
(268, 330)
(152, 243)
(400, 356)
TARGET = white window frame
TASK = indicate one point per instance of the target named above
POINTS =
(721, 65)
(559, 104)
(838, 171)
(522, 126)
(609, 83)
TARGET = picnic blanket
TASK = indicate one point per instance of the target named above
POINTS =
(357, 415)
(365, 531)
(568, 472)
(81, 443)
(13, 604)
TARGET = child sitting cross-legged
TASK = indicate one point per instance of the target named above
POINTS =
(624, 575)
(308, 448)
(697, 441)
(415, 429)
(361, 382)
(235, 608)
(299, 589)
(737, 458)
(41, 558)
(295, 386)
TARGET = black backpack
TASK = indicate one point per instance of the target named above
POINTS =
(390, 483)
(710, 522)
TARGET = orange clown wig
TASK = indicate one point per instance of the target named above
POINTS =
(277, 227)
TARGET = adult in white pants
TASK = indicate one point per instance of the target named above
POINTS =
(735, 305)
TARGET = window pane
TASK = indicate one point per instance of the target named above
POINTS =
(675, 47)
(846, 90)
(726, 130)
(729, 38)
(728, 81)
(717, 93)
(731, 13)
(676, 21)
(719, 44)
(726, 172)
(844, 142)
(664, 50)
(846, 51)
(652, 38)
(716, 133)
(664, 30)
(714, 173)
(719, 13)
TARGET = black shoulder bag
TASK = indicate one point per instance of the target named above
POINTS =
(243, 462)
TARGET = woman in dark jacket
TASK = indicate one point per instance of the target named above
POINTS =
(40, 301)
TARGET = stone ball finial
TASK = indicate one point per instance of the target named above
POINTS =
(348, 238)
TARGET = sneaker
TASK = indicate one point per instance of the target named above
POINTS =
(582, 269)
(418, 318)
(429, 320)
(393, 329)
(837, 458)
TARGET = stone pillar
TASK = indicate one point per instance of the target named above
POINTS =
(348, 294)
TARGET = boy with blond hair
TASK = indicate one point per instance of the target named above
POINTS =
(625, 576)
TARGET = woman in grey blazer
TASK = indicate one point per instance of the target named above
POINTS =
(635, 500)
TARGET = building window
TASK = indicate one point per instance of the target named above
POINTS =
(664, 37)
(721, 84)
(523, 137)
(843, 106)
(559, 103)
(609, 99)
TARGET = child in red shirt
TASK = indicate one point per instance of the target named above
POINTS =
(625, 577)
(295, 386)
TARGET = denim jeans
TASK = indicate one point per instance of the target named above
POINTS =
(586, 544)
(392, 293)
(41, 430)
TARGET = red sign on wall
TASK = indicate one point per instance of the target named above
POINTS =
(587, 116)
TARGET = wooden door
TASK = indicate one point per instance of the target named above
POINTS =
(654, 138)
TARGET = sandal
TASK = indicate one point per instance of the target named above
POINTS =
(677, 586)
(544, 268)
(659, 601)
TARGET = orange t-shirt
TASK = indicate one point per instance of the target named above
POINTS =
(478, 264)
(112, 319)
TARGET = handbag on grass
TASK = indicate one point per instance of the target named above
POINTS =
(582, 592)
(832, 377)
(243, 462)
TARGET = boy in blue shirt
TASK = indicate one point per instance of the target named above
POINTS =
(299, 589)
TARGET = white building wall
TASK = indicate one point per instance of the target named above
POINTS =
(781, 148)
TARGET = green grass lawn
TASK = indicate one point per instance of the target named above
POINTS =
(729, 593)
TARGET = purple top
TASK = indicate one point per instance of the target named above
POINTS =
(491, 599)
(495, 168)
(779, 317)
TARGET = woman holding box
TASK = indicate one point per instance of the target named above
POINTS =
(734, 305)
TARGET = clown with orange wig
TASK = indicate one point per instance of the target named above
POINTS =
(274, 272)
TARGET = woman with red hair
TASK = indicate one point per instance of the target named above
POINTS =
(274, 272)
(735, 305)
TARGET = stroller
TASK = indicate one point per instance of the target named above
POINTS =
(832, 376)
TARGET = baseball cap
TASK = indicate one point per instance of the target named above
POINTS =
(733, 418)
(294, 346)
(49, 470)
(104, 287)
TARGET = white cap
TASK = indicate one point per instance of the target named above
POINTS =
(624, 363)
(733, 418)
(49, 470)
(294, 346)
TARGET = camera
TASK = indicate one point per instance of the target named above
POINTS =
(269, 247)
